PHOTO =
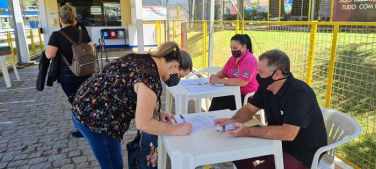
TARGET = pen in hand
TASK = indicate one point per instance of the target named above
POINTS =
(182, 118)
(198, 84)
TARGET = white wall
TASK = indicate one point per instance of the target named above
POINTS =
(149, 35)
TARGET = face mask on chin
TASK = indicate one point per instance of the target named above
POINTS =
(173, 80)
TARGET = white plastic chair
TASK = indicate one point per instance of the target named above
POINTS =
(210, 71)
(260, 112)
(4, 69)
(341, 128)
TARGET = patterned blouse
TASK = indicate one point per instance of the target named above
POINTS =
(106, 102)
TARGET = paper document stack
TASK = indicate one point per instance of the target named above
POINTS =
(199, 122)
(197, 85)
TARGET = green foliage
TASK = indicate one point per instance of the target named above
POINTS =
(109, 12)
(29, 4)
(230, 17)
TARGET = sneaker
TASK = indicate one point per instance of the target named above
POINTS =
(77, 134)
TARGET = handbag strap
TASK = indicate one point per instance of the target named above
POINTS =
(66, 37)
(69, 39)
(80, 36)
(65, 59)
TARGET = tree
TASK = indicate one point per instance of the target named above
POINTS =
(29, 4)
(218, 12)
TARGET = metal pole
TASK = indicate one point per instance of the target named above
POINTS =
(10, 43)
(237, 27)
(204, 34)
(32, 41)
(178, 12)
(184, 36)
(203, 10)
(301, 11)
(140, 26)
(268, 10)
(313, 10)
(40, 41)
(223, 9)
(173, 30)
(44, 25)
(331, 11)
(211, 33)
(157, 32)
(15, 32)
(311, 53)
(331, 67)
(309, 10)
(279, 9)
(194, 10)
(168, 22)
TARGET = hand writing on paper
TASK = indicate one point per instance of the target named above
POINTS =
(222, 122)
(240, 130)
(167, 117)
(183, 129)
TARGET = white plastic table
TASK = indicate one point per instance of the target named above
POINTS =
(210, 146)
(182, 96)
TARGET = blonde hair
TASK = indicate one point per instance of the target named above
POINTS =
(171, 52)
(67, 14)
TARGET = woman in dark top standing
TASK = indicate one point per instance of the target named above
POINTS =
(125, 89)
(58, 45)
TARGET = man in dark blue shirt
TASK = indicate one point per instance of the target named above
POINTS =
(292, 112)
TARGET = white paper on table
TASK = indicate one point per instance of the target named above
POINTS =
(201, 88)
(198, 81)
(198, 122)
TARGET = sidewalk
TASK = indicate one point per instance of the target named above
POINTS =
(35, 126)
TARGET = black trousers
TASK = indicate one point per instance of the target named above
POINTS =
(225, 102)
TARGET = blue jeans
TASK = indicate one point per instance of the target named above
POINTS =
(106, 149)
(69, 82)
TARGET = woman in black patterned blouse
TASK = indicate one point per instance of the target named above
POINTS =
(124, 89)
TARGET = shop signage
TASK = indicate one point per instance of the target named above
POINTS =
(152, 13)
(96, 10)
(354, 10)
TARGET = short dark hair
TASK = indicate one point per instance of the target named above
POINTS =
(277, 60)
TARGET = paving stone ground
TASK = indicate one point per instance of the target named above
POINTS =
(35, 126)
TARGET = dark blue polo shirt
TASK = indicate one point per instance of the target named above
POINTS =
(295, 104)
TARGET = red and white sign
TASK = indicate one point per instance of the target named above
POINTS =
(152, 13)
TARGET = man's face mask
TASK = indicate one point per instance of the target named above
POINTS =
(265, 82)
(173, 80)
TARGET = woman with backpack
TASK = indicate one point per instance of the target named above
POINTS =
(128, 88)
(59, 47)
